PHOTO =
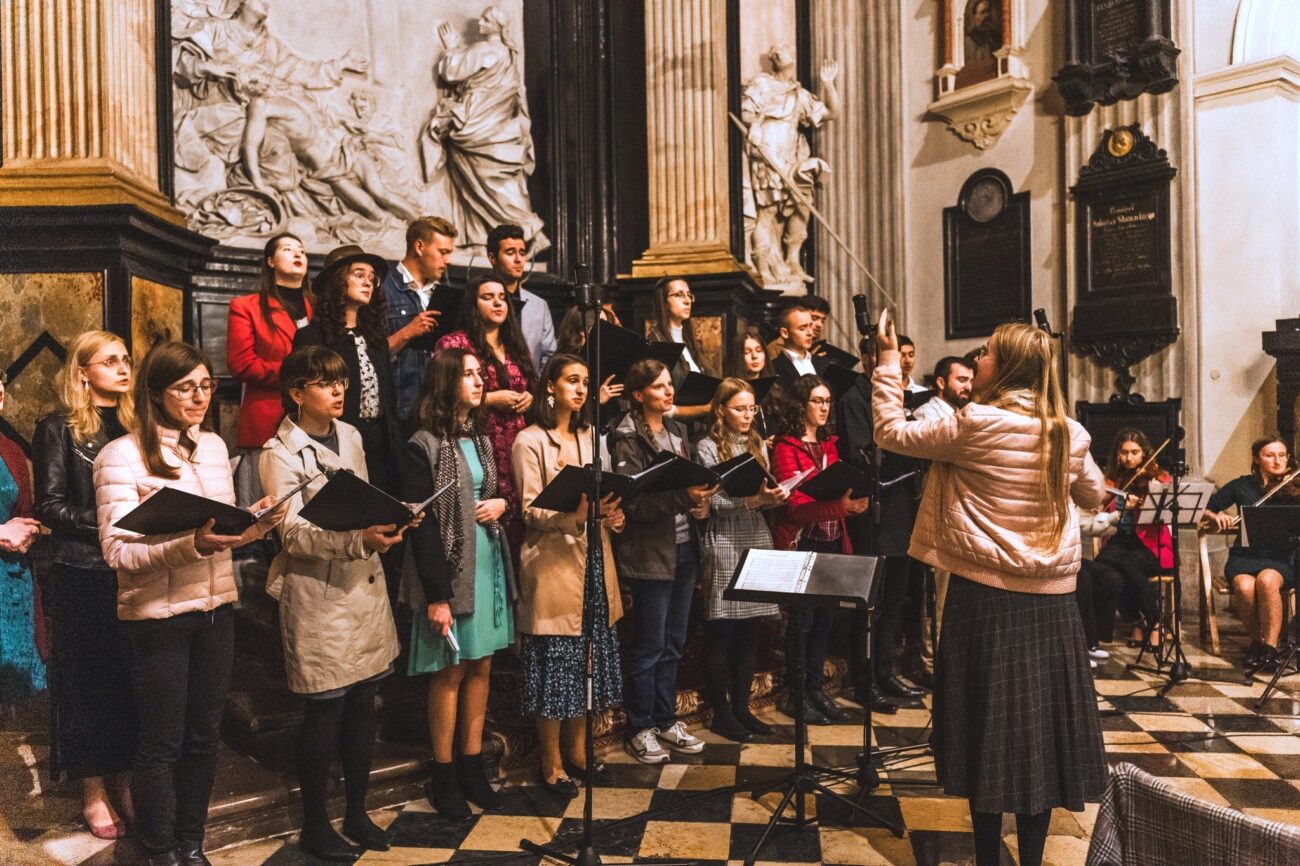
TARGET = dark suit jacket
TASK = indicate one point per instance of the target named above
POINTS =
(785, 372)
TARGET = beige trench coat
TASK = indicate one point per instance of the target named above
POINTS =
(335, 620)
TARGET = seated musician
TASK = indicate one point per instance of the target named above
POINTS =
(1257, 575)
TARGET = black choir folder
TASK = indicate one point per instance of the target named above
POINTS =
(666, 472)
(621, 348)
(742, 476)
(347, 504)
(167, 511)
(833, 481)
(698, 389)
(804, 577)
(446, 301)
(836, 355)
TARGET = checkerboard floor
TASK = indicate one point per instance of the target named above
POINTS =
(1204, 736)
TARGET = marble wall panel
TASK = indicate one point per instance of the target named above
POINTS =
(157, 314)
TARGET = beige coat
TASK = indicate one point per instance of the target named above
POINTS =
(161, 576)
(335, 621)
(553, 558)
(983, 515)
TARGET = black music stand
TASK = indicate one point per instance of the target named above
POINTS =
(800, 580)
(1274, 528)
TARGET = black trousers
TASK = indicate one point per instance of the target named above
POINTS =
(1136, 565)
(180, 674)
(817, 626)
(890, 603)
(1097, 593)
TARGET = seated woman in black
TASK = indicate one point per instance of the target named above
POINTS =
(1257, 575)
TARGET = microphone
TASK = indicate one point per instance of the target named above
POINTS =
(585, 294)
(862, 315)
(1040, 319)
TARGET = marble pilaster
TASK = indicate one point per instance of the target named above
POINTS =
(79, 112)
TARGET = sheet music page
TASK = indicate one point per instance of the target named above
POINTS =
(776, 571)
(794, 481)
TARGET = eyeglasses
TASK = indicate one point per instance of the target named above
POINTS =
(331, 385)
(743, 410)
(113, 363)
(683, 296)
(186, 391)
(819, 401)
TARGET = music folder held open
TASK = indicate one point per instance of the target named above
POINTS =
(742, 476)
(698, 389)
(666, 472)
(168, 511)
(446, 301)
(347, 504)
(833, 481)
(621, 348)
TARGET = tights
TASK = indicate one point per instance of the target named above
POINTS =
(730, 648)
(1031, 837)
(344, 726)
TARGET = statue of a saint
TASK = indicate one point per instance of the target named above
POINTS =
(777, 109)
(482, 132)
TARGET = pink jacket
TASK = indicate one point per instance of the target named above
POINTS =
(983, 501)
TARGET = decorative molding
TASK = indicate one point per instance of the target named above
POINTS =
(1280, 73)
(1100, 72)
(1265, 29)
(1141, 154)
(982, 112)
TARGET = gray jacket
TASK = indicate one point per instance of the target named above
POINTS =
(647, 548)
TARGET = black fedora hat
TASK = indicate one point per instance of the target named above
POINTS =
(348, 254)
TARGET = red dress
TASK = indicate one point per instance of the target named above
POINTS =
(502, 428)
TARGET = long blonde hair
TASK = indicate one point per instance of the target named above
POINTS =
(75, 397)
(1027, 374)
(718, 431)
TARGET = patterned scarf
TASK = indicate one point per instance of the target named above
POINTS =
(448, 508)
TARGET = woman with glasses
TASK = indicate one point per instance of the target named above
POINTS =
(735, 525)
(335, 620)
(670, 322)
(92, 718)
(804, 443)
(1015, 713)
(175, 596)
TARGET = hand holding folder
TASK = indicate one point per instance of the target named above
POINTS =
(168, 511)
(667, 472)
(446, 302)
(347, 504)
(835, 481)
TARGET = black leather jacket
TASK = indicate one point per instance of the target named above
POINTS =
(65, 491)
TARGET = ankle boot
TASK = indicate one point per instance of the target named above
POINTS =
(443, 792)
(740, 687)
(474, 782)
(725, 724)
(366, 833)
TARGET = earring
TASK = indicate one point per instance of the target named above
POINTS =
(550, 400)
(85, 384)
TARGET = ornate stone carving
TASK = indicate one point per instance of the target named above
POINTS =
(348, 148)
(1116, 51)
(777, 109)
(980, 113)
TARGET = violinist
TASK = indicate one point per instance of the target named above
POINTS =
(1137, 551)
(1257, 576)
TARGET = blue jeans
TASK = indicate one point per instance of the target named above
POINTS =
(661, 611)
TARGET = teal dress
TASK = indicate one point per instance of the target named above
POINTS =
(491, 626)
(22, 673)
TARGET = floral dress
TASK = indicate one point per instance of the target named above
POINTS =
(501, 429)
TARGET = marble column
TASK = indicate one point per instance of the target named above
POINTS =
(687, 129)
(862, 194)
(79, 113)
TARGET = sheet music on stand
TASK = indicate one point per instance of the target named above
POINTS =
(1192, 497)
(804, 577)
(776, 571)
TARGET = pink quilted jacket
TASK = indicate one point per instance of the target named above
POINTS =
(982, 514)
(163, 575)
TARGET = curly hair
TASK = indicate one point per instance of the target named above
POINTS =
(791, 419)
(372, 319)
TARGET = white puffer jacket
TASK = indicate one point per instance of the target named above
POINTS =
(983, 514)
(161, 576)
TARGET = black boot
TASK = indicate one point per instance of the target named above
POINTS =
(474, 783)
(740, 707)
(725, 724)
(323, 842)
(366, 833)
(444, 793)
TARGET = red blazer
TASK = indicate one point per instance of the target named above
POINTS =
(790, 457)
(254, 350)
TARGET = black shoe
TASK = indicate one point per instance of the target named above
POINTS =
(1269, 659)
(601, 777)
(755, 725)
(474, 783)
(897, 687)
(191, 854)
(325, 844)
(925, 680)
(561, 787)
(881, 704)
(724, 724)
(827, 705)
(444, 794)
(366, 833)
(811, 715)
(1254, 656)
(167, 858)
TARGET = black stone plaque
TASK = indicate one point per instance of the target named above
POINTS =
(1125, 307)
(986, 256)
(1115, 49)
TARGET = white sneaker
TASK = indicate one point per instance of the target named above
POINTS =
(679, 739)
(1092, 664)
(644, 746)
(1098, 653)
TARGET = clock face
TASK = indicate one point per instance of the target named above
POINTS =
(986, 200)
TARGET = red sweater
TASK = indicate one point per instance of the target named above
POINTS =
(790, 456)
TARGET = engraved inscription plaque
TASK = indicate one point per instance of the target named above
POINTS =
(1116, 27)
(986, 256)
(1115, 49)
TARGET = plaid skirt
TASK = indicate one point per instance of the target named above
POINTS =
(1015, 713)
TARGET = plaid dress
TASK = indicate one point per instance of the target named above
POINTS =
(732, 530)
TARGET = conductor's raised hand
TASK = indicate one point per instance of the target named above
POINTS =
(886, 336)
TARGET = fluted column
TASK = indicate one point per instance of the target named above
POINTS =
(860, 197)
(80, 112)
(686, 119)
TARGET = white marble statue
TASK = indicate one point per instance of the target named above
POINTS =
(481, 133)
(777, 110)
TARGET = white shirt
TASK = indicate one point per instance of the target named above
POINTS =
(914, 386)
(935, 407)
(425, 292)
(803, 364)
(675, 332)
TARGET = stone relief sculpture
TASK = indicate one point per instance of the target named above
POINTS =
(777, 110)
(270, 136)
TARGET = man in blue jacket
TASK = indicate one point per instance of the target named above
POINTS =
(430, 241)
